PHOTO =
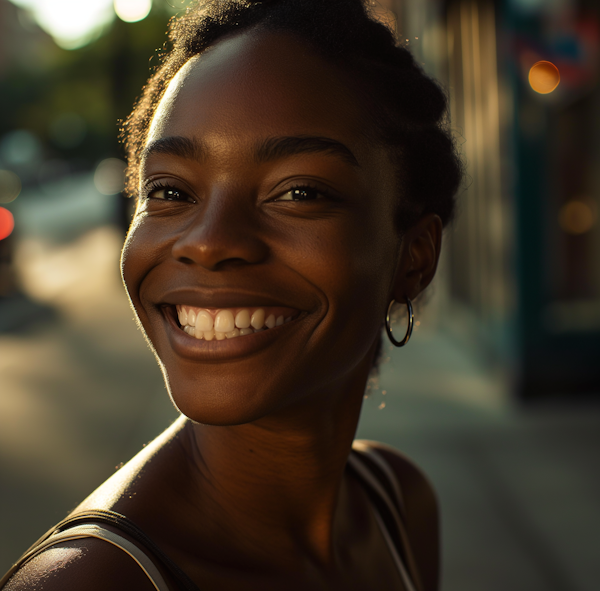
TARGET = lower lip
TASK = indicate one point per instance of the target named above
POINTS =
(189, 347)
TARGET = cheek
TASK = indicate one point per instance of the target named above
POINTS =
(352, 265)
(140, 253)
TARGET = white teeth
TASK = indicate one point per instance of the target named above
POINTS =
(258, 319)
(242, 319)
(224, 321)
(201, 325)
(204, 321)
(183, 316)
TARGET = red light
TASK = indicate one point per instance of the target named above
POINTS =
(7, 223)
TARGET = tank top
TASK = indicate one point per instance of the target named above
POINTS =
(367, 464)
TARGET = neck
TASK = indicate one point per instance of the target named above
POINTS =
(276, 485)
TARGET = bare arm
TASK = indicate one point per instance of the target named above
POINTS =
(89, 564)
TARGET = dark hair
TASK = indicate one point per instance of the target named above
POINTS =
(407, 107)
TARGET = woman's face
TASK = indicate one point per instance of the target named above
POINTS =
(261, 190)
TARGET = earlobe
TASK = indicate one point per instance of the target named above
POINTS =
(419, 256)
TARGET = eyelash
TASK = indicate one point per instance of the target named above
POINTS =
(305, 187)
(162, 185)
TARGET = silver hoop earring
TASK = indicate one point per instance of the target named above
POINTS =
(388, 325)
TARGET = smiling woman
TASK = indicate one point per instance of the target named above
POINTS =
(293, 175)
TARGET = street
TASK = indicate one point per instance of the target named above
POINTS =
(81, 393)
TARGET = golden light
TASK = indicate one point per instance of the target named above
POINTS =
(544, 77)
(72, 23)
(10, 186)
(132, 11)
(7, 223)
(577, 217)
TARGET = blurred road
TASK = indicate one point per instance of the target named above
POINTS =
(80, 393)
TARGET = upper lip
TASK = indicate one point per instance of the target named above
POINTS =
(222, 299)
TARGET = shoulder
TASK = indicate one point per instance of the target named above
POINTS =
(421, 508)
(89, 564)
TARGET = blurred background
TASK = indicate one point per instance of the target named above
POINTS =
(496, 396)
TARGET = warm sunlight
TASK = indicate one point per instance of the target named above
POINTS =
(73, 23)
(132, 11)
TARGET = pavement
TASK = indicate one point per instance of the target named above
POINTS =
(80, 393)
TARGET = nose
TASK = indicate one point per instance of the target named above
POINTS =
(223, 233)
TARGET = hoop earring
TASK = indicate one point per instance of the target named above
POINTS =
(388, 326)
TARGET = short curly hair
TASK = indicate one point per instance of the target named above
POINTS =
(407, 108)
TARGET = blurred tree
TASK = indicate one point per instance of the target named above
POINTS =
(94, 86)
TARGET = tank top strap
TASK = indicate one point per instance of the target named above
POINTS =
(84, 525)
(385, 494)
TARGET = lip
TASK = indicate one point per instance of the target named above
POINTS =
(228, 349)
(220, 300)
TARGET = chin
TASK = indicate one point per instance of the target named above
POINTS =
(223, 402)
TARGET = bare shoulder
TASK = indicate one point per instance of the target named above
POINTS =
(422, 512)
(89, 564)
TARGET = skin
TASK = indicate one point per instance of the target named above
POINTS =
(252, 492)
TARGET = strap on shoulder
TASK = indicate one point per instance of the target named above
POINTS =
(116, 520)
(95, 531)
(379, 482)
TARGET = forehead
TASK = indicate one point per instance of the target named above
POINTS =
(256, 85)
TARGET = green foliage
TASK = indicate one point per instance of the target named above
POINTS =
(99, 82)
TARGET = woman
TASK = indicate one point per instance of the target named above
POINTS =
(293, 176)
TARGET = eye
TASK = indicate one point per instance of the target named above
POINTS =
(164, 192)
(303, 193)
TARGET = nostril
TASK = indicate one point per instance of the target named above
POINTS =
(186, 261)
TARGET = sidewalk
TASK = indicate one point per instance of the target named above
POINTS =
(519, 491)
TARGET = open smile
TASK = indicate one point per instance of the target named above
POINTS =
(214, 334)
(229, 323)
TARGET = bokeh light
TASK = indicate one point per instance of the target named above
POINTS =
(7, 223)
(109, 177)
(544, 77)
(20, 147)
(577, 216)
(10, 186)
(132, 11)
(72, 23)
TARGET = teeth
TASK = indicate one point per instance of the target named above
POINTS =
(204, 321)
(242, 319)
(201, 325)
(183, 316)
(258, 319)
(224, 321)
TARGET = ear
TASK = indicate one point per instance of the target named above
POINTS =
(419, 256)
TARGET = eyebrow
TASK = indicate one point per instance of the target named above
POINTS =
(280, 147)
(265, 151)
